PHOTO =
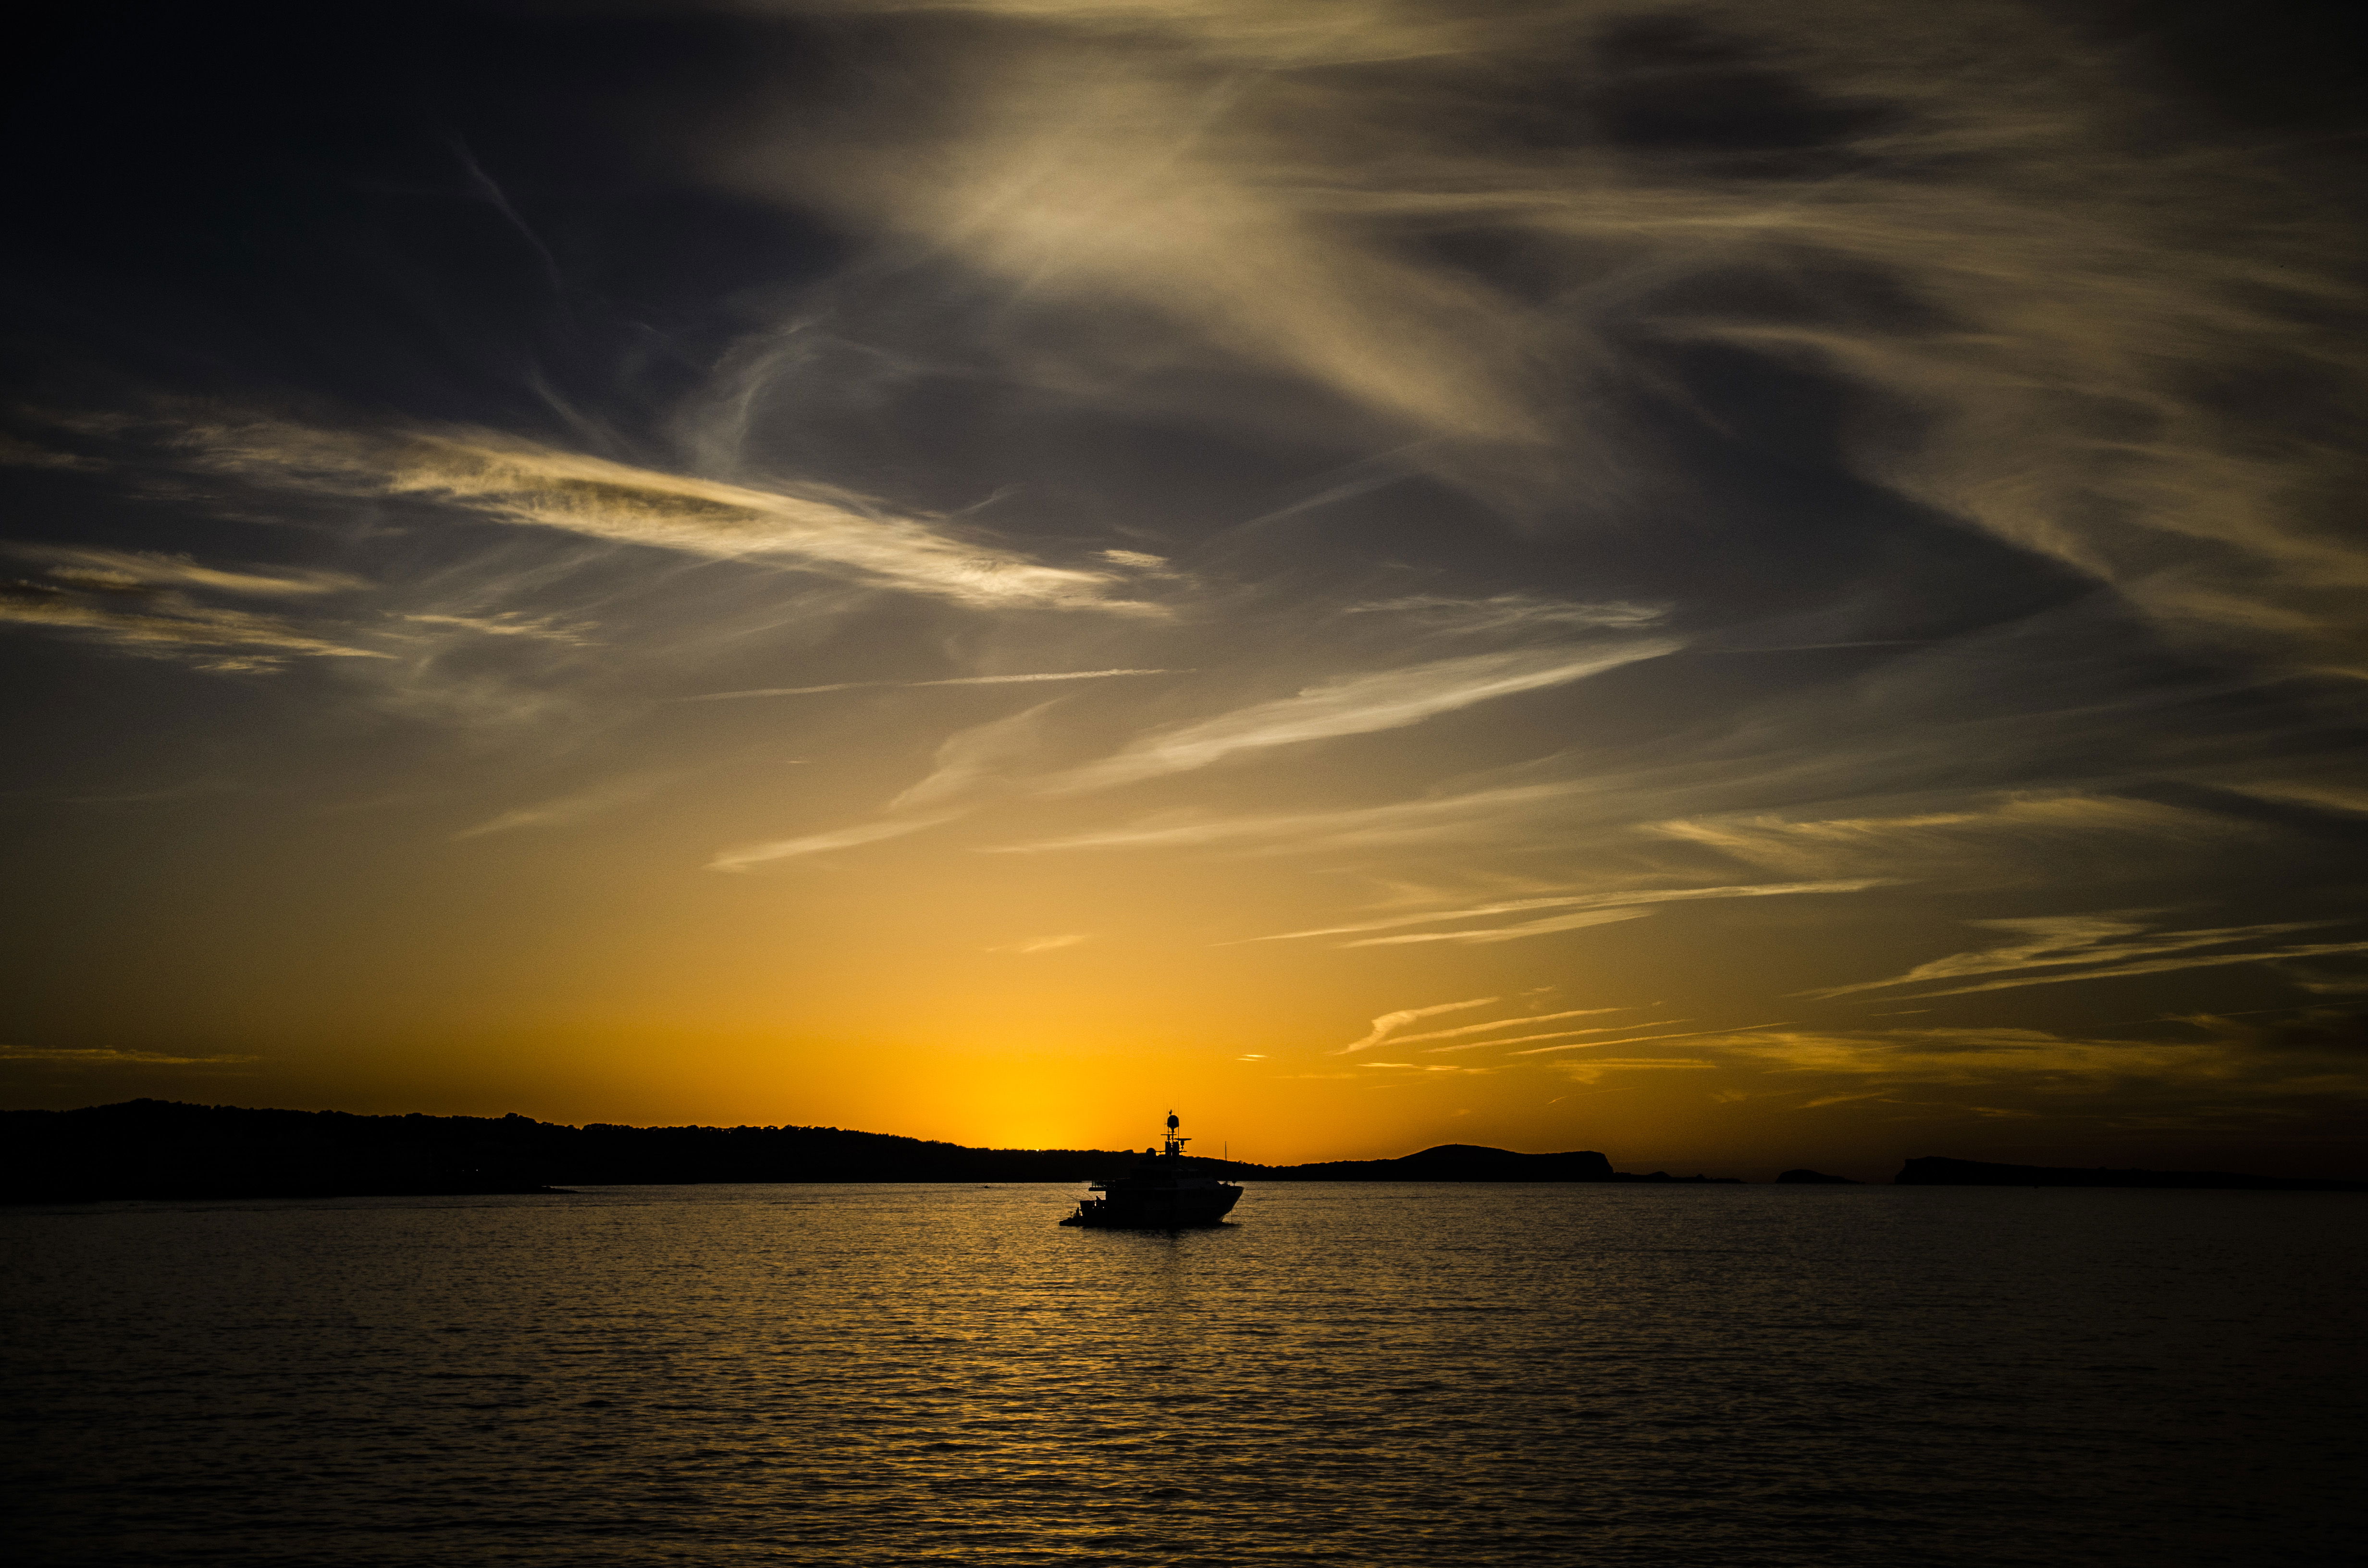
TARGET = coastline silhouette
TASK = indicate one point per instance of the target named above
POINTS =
(168, 1149)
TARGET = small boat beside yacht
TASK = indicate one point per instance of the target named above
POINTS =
(1160, 1194)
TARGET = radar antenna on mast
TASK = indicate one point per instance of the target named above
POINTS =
(1175, 1148)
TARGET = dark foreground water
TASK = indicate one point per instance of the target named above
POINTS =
(1350, 1373)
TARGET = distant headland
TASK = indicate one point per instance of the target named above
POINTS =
(165, 1148)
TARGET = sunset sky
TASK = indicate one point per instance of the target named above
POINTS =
(1741, 586)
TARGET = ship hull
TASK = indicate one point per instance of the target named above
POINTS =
(1157, 1211)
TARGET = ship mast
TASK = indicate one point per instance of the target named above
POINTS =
(1175, 1148)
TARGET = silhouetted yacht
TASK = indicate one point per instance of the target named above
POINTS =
(1158, 1195)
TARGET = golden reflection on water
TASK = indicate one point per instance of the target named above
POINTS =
(1402, 1374)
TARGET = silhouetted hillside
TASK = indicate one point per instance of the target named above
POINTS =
(1468, 1162)
(165, 1148)
(1939, 1172)
(1455, 1162)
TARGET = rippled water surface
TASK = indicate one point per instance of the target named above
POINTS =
(1349, 1373)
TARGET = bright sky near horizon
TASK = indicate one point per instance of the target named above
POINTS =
(1737, 585)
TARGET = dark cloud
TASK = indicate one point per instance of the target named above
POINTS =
(2340, 1032)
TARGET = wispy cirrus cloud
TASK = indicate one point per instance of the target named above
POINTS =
(513, 624)
(2061, 296)
(2159, 966)
(2226, 1064)
(1639, 1040)
(211, 638)
(1354, 705)
(2098, 947)
(1595, 1069)
(1482, 936)
(1551, 1034)
(2326, 794)
(751, 855)
(1983, 834)
(122, 570)
(957, 680)
(1082, 168)
(1592, 909)
(1047, 944)
(1447, 615)
(1472, 816)
(141, 602)
(578, 808)
(512, 481)
(1388, 1024)
(971, 759)
(1984, 837)
(1507, 1024)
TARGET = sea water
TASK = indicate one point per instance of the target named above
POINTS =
(1349, 1373)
